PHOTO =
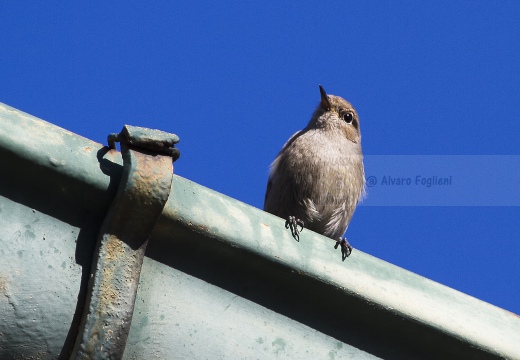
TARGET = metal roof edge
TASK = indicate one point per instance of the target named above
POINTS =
(407, 308)
(363, 300)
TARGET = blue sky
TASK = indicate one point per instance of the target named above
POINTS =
(235, 79)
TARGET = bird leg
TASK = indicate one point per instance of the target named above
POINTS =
(293, 224)
(346, 249)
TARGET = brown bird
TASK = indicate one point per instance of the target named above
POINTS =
(318, 177)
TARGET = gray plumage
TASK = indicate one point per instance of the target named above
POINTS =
(318, 176)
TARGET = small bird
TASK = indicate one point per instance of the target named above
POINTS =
(318, 177)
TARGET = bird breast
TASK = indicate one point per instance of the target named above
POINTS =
(328, 169)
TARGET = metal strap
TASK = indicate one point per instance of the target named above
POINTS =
(142, 193)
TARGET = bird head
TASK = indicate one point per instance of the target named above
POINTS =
(336, 114)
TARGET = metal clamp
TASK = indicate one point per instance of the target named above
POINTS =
(141, 196)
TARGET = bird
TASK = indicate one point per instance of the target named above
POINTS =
(318, 178)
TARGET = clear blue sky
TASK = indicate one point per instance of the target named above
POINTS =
(235, 80)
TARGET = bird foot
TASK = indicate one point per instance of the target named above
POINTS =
(293, 224)
(346, 249)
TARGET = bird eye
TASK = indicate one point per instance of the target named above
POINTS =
(348, 117)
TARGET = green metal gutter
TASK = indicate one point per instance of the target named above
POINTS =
(220, 279)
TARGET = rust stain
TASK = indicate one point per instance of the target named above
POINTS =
(198, 227)
(114, 250)
(512, 313)
(203, 227)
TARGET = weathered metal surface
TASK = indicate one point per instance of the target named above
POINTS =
(220, 279)
(55, 188)
(144, 189)
(182, 315)
(367, 303)
(40, 278)
(150, 139)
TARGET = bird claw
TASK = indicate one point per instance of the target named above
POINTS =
(293, 224)
(346, 249)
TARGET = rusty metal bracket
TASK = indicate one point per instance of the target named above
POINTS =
(141, 196)
(149, 139)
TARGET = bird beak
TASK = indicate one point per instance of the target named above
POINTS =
(324, 99)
